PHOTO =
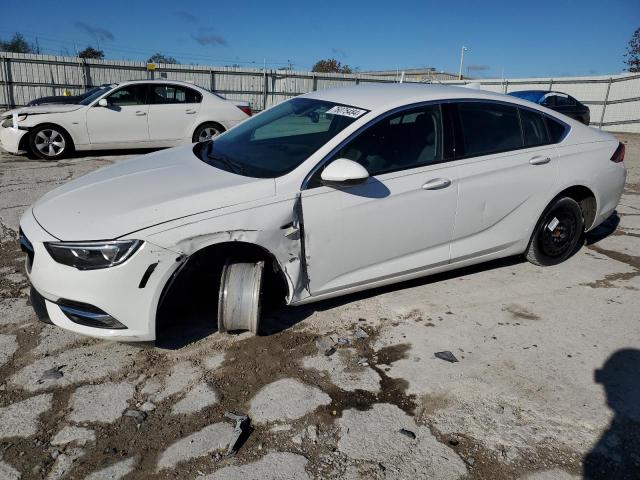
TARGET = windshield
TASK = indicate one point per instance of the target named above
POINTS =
(98, 93)
(277, 141)
(532, 96)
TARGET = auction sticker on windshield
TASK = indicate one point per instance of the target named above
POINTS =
(351, 112)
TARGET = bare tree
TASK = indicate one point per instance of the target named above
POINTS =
(17, 44)
(91, 52)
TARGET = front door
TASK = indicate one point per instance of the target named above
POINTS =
(400, 221)
(123, 120)
(173, 112)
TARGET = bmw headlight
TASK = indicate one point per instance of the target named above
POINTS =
(92, 255)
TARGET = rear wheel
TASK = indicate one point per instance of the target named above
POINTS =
(50, 142)
(240, 296)
(557, 233)
(207, 131)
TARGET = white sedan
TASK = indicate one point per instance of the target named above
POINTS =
(326, 194)
(136, 114)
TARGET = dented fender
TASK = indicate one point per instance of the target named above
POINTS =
(274, 227)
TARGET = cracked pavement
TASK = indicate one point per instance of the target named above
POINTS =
(547, 383)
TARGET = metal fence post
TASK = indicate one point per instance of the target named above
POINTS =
(550, 84)
(9, 81)
(506, 86)
(606, 99)
(315, 82)
(212, 83)
(265, 87)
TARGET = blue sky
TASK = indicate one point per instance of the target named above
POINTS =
(542, 38)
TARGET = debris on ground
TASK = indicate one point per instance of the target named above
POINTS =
(53, 373)
(407, 433)
(360, 334)
(137, 415)
(326, 345)
(330, 351)
(240, 432)
(447, 356)
(342, 341)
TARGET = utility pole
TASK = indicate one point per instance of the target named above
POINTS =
(464, 49)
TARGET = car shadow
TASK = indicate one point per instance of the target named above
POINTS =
(602, 231)
(616, 455)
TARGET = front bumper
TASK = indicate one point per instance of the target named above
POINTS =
(10, 139)
(79, 300)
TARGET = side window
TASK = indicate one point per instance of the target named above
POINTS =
(533, 128)
(193, 96)
(406, 140)
(167, 94)
(129, 95)
(556, 130)
(488, 128)
(563, 100)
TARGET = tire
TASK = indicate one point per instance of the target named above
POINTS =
(207, 131)
(50, 142)
(557, 233)
(240, 297)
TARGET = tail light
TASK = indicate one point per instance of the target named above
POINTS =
(245, 109)
(618, 155)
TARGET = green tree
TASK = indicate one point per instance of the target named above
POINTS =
(331, 65)
(17, 44)
(633, 52)
(160, 58)
(91, 52)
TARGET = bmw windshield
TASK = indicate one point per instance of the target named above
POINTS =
(98, 93)
(277, 141)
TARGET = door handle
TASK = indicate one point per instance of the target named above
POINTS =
(539, 160)
(190, 111)
(140, 113)
(436, 184)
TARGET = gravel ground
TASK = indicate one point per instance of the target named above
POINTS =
(546, 386)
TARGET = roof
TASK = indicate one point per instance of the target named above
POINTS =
(389, 95)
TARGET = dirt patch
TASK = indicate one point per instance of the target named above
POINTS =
(609, 281)
(520, 313)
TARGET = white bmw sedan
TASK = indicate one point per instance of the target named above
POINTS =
(328, 193)
(137, 114)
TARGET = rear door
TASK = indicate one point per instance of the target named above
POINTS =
(123, 121)
(506, 173)
(399, 222)
(173, 112)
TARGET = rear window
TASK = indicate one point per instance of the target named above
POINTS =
(488, 128)
(533, 128)
(556, 130)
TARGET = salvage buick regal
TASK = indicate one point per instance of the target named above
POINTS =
(325, 194)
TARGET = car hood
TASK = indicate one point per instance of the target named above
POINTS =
(40, 109)
(142, 192)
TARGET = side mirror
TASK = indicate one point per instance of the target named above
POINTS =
(103, 102)
(344, 172)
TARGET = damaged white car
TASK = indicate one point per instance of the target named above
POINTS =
(328, 193)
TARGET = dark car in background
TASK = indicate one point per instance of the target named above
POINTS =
(68, 99)
(558, 101)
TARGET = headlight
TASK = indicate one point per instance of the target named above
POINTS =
(92, 255)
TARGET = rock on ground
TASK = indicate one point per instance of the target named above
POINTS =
(199, 397)
(77, 435)
(8, 346)
(7, 472)
(182, 376)
(209, 439)
(286, 399)
(344, 372)
(64, 462)
(273, 466)
(81, 365)
(374, 435)
(21, 419)
(100, 403)
(115, 471)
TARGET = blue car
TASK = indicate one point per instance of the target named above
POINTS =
(558, 101)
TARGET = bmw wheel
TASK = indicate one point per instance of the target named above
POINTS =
(240, 297)
(557, 233)
(50, 142)
(207, 131)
